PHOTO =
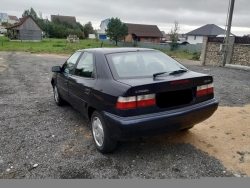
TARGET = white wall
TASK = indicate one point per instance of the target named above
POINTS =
(192, 40)
(12, 21)
(102, 28)
(91, 36)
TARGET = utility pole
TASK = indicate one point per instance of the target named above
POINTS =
(229, 24)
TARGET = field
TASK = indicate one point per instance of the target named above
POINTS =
(61, 46)
(49, 45)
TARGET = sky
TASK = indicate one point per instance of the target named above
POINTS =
(190, 14)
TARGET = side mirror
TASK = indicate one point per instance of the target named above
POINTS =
(56, 69)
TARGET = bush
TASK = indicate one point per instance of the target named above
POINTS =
(196, 56)
(134, 44)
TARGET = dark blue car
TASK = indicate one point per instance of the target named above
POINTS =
(132, 92)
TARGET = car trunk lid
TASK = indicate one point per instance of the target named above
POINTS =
(170, 91)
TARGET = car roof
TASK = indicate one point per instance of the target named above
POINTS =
(116, 50)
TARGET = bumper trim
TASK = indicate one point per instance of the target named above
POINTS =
(123, 128)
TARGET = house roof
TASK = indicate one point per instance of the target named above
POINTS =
(4, 16)
(13, 18)
(141, 30)
(207, 30)
(22, 20)
(106, 21)
(69, 19)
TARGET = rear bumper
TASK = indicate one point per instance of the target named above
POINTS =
(124, 128)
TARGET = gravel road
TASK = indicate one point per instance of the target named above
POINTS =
(38, 139)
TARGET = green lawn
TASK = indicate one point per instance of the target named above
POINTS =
(49, 45)
(61, 46)
(183, 54)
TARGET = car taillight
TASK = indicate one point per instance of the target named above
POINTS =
(135, 101)
(204, 89)
(145, 100)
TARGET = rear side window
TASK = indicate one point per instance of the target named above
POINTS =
(85, 66)
(141, 64)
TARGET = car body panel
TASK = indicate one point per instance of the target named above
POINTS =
(80, 91)
(62, 83)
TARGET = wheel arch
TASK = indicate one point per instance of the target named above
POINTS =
(90, 111)
(53, 82)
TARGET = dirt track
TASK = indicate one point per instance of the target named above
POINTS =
(36, 131)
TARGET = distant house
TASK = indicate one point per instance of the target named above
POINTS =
(101, 32)
(211, 30)
(137, 32)
(163, 36)
(3, 17)
(69, 19)
(13, 19)
(26, 30)
(143, 33)
(181, 38)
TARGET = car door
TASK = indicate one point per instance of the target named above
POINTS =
(82, 82)
(62, 78)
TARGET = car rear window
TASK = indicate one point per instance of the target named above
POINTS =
(141, 64)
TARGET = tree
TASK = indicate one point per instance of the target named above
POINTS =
(88, 29)
(116, 30)
(6, 24)
(26, 13)
(30, 12)
(174, 36)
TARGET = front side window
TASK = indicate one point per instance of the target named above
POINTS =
(85, 66)
(141, 64)
(68, 66)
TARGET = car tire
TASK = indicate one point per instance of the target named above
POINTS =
(58, 100)
(100, 133)
(186, 129)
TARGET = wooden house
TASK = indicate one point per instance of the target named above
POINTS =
(26, 30)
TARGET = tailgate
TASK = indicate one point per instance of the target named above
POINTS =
(171, 92)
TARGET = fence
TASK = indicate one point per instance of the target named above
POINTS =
(238, 51)
(163, 46)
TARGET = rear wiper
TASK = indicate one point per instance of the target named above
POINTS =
(170, 73)
(158, 73)
(178, 71)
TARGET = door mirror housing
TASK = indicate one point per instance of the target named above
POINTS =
(56, 69)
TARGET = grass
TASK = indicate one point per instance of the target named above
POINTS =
(184, 54)
(61, 46)
(49, 45)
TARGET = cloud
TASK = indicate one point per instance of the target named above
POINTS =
(189, 13)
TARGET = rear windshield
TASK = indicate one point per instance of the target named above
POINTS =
(141, 64)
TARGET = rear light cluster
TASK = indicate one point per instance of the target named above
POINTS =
(204, 89)
(135, 101)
